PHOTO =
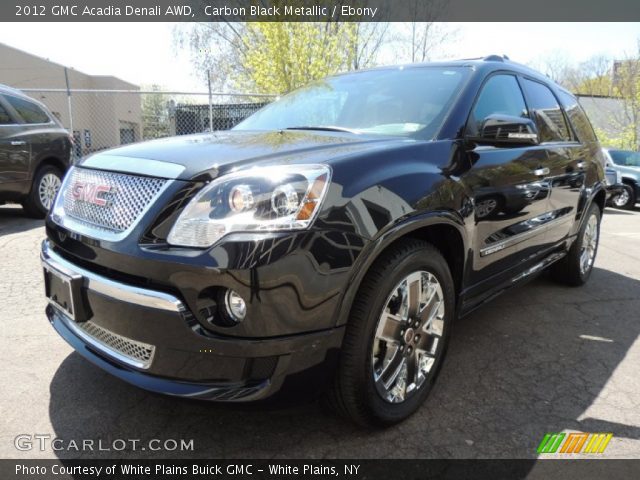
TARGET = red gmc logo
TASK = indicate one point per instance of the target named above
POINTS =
(90, 192)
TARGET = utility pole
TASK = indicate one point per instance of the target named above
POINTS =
(210, 101)
(66, 79)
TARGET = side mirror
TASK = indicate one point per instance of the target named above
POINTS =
(506, 130)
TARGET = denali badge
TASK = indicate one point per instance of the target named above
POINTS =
(90, 192)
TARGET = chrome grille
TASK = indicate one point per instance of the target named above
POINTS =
(126, 198)
(139, 354)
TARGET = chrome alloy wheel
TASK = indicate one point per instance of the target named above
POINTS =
(622, 199)
(408, 336)
(47, 189)
(485, 207)
(589, 244)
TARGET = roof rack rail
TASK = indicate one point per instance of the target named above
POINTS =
(495, 58)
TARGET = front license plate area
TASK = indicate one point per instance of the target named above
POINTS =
(65, 293)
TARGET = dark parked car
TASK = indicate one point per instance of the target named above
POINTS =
(329, 241)
(35, 152)
(627, 165)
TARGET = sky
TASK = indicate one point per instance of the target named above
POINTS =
(144, 53)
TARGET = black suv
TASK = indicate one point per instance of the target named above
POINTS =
(329, 240)
(35, 151)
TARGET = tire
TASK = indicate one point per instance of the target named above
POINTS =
(355, 393)
(489, 207)
(44, 182)
(625, 200)
(572, 270)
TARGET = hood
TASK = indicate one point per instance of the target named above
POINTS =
(191, 156)
(629, 171)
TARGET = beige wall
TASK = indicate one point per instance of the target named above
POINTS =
(100, 113)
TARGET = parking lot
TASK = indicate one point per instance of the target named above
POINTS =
(543, 358)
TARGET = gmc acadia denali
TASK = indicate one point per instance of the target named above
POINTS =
(329, 240)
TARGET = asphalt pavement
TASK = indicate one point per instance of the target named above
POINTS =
(542, 358)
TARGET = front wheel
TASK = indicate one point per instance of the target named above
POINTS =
(46, 184)
(625, 199)
(396, 337)
(576, 267)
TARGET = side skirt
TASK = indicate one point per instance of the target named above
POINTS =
(521, 278)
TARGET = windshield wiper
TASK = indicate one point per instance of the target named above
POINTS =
(328, 128)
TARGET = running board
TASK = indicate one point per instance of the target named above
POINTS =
(539, 266)
(508, 284)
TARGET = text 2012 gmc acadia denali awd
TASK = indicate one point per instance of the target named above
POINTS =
(330, 239)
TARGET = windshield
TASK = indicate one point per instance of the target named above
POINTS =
(397, 101)
(625, 157)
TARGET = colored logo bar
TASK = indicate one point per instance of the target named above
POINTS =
(574, 443)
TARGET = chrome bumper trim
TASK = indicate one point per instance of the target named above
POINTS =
(111, 288)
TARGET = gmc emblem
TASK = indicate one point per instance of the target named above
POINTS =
(90, 193)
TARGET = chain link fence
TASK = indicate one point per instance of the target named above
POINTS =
(101, 119)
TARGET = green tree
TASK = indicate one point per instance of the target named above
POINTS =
(288, 55)
(155, 113)
(626, 86)
(621, 82)
(601, 76)
(276, 57)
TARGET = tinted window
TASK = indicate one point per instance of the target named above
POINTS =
(4, 116)
(625, 157)
(547, 112)
(578, 118)
(386, 102)
(30, 112)
(500, 95)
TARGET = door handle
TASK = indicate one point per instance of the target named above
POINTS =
(17, 143)
(541, 172)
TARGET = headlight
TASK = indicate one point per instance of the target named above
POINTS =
(260, 199)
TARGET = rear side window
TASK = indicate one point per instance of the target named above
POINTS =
(578, 118)
(500, 95)
(4, 116)
(29, 111)
(547, 112)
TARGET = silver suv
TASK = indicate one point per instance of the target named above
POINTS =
(627, 164)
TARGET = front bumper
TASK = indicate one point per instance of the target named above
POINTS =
(151, 339)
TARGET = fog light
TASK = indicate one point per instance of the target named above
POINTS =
(236, 306)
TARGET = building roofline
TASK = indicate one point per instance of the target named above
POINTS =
(24, 52)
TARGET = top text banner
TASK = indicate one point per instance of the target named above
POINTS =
(319, 10)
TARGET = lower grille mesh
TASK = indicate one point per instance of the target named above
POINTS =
(138, 352)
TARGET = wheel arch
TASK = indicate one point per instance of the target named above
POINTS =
(599, 198)
(50, 160)
(444, 230)
(633, 183)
